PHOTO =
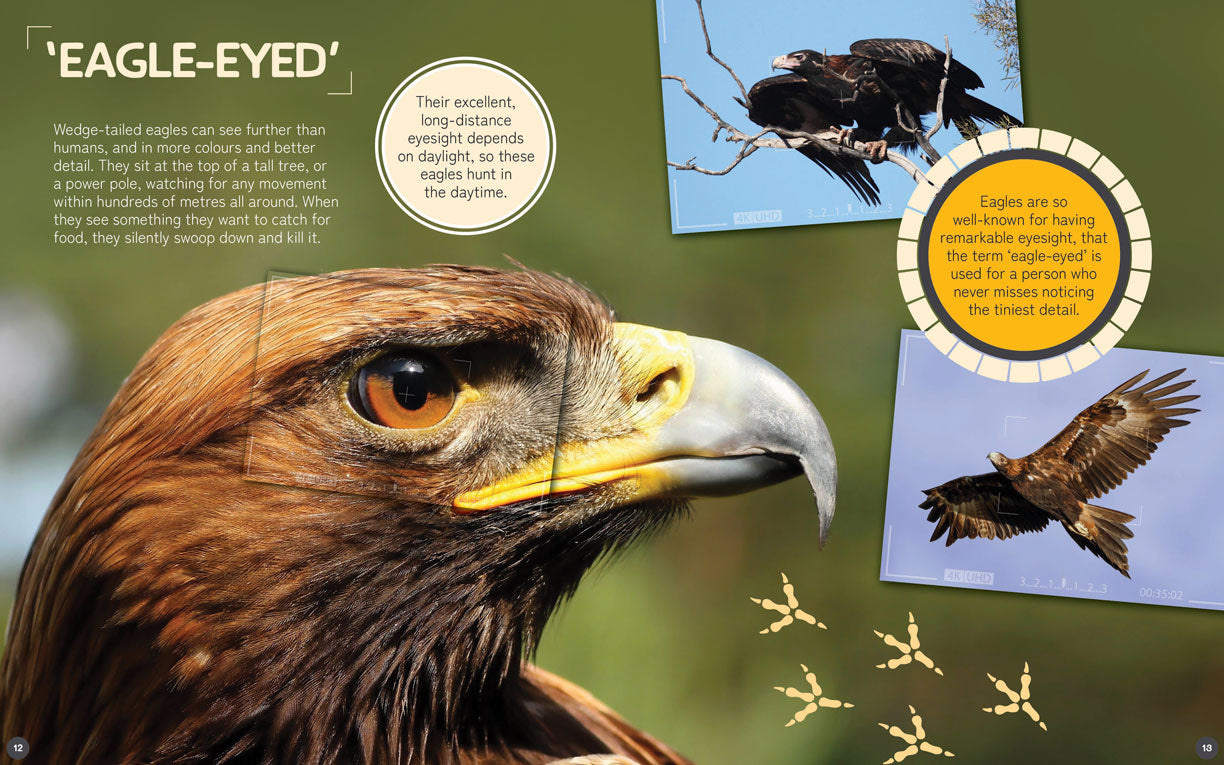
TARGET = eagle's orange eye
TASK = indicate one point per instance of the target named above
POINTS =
(403, 390)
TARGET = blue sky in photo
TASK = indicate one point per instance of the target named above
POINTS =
(778, 179)
(948, 419)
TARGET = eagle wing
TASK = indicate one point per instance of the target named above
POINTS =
(981, 506)
(1110, 439)
(774, 94)
(917, 55)
(793, 102)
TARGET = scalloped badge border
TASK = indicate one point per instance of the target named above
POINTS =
(1120, 196)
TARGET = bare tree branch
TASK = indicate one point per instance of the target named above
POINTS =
(719, 121)
(943, 88)
(831, 142)
(710, 52)
(828, 140)
(745, 150)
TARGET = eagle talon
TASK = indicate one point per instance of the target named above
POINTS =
(878, 150)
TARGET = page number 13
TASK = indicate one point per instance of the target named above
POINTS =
(1207, 748)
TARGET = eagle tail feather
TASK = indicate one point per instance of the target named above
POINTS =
(1107, 542)
(967, 106)
(850, 171)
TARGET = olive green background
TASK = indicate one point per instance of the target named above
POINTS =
(668, 636)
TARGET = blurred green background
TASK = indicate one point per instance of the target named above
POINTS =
(667, 635)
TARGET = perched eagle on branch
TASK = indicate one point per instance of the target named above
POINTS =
(1092, 455)
(792, 102)
(882, 72)
(500, 433)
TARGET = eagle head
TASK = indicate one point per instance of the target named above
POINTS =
(800, 60)
(324, 518)
(997, 459)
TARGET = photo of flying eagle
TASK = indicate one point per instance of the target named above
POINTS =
(1091, 456)
(176, 608)
(794, 102)
(882, 72)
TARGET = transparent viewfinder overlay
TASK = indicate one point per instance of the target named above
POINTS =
(347, 456)
(1054, 316)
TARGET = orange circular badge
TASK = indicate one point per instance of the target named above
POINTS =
(1026, 262)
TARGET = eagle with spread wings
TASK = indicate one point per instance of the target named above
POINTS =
(1091, 456)
(326, 519)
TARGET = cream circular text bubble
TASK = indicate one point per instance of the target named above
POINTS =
(1026, 256)
(465, 145)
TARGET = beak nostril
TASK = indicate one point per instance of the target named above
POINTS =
(661, 386)
(656, 369)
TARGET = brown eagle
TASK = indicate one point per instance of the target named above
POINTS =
(793, 102)
(883, 72)
(325, 520)
(1092, 455)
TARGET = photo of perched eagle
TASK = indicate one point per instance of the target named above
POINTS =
(177, 608)
(882, 72)
(794, 102)
(1091, 456)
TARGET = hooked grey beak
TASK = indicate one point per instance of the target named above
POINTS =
(709, 419)
(784, 62)
(747, 425)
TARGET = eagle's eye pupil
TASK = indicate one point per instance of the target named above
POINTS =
(406, 389)
(409, 384)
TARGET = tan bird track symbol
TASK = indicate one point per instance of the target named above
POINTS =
(1019, 701)
(814, 699)
(916, 741)
(790, 610)
(909, 651)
